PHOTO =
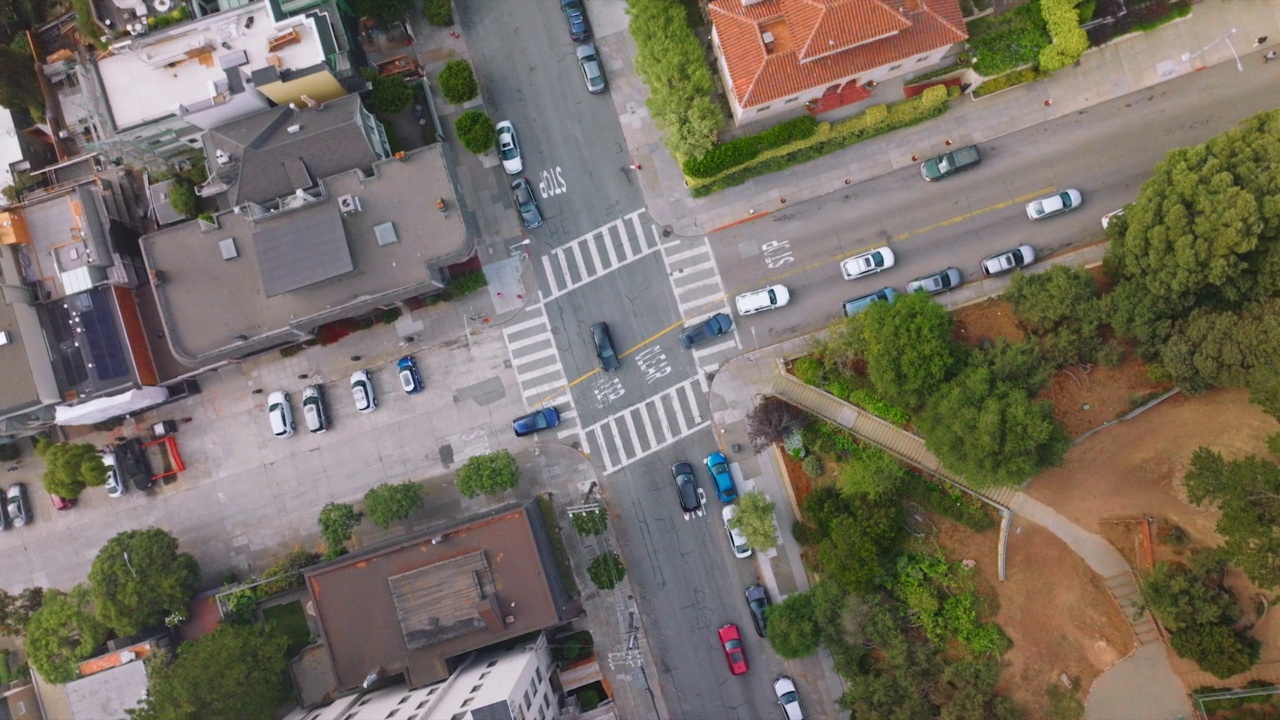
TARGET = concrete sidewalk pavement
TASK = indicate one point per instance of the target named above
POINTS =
(1123, 66)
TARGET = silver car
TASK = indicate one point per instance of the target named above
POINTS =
(941, 281)
(592, 70)
(1055, 204)
(785, 689)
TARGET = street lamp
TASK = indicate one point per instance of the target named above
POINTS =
(1188, 57)
(512, 249)
(129, 564)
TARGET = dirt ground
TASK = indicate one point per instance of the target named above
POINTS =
(1060, 622)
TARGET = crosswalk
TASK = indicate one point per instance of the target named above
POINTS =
(600, 251)
(537, 367)
(649, 426)
(699, 292)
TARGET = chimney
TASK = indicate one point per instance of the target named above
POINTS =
(768, 41)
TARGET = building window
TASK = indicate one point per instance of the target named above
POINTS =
(527, 700)
(485, 674)
(920, 60)
(491, 663)
(790, 100)
(403, 700)
(467, 702)
(421, 705)
(458, 716)
(533, 686)
(537, 672)
(476, 689)
(392, 713)
(546, 701)
(762, 108)
(364, 702)
(433, 690)
(894, 67)
(542, 715)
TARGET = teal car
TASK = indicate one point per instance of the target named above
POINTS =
(718, 466)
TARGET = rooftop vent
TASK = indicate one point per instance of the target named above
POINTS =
(294, 129)
(386, 234)
(228, 248)
(509, 619)
(222, 157)
(5, 339)
(348, 204)
(768, 40)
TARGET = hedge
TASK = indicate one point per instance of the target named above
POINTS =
(1004, 42)
(1005, 81)
(1069, 39)
(729, 155)
(828, 138)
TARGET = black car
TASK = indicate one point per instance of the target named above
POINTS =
(714, 326)
(579, 28)
(604, 347)
(522, 194)
(757, 601)
(133, 462)
(686, 487)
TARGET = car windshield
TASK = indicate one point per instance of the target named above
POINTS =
(789, 697)
(275, 407)
(537, 421)
(773, 297)
(1014, 257)
(720, 469)
(508, 150)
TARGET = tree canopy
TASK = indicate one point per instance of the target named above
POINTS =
(384, 10)
(70, 467)
(871, 472)
(908, 348)
(670, 61)
(1061, 308)
(19, 87)
(1247, 492)
(63, 632)
(139, 578)
(236, 672)
(389, 502)
(489, 474)
(337, 521)
(755, 520)
(771, 421)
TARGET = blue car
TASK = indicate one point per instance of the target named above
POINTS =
(541, 419)
(718, 466)
(410, 380)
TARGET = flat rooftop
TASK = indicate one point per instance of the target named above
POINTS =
(412, 606)
(207, 301)
(186, 64)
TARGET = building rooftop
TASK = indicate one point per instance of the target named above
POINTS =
(18, 389)
(108, 693)
(393, 237)
(412, 606)
(63, 239)
(203, 61)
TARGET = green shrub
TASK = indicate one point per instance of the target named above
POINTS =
(286, 573)
(606, 571)
(870, 402)
(1273, 443)
(1008, 40)
(475, 131)
(590, 523)
(388, 503)
(589, 699)
(465, 284)
(489, 474)
(458, 82)
(808, 371)
(726, 156)
(438, 12)
(940, 72)
(1006, 81)
(563, 570)
(941, 499)
(183, 200)
(337, 521)
(1178, 12)
(391, 94)
(1216, 649)
(1069, 40)
(389, 316)
(812, 466)
(670, 60)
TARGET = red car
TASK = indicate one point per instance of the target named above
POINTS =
(732, 643)
(60, 503)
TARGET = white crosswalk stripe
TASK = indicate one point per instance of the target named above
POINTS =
(535, 360)
(599, 252)
(647, 427)
(699, 292)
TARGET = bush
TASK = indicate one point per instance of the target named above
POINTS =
(870, 402)
(475, 131)
(1062, 20)
(10, 452)
(1006, 81)
(388, 503)
(563, 570)
(1216, 649)
(489, 474)
(183, 200)
(458, 82)
(808, 371)
(337, 520)
(812, 466)
(288, 570)
(464, 284)
(594, 522)
(606, 571)
(726, 156)
(391, 94)
(1009, 40)
(438, 12)
(670, 60)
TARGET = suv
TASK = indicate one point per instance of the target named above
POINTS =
(1008, 261)
(774, 296)
(856, 305)
(604, 347)
(579, 28)
(313, 413)
(134, 463)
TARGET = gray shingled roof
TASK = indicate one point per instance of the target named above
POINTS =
(309, 249)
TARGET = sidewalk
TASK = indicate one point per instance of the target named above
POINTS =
(1119, 68)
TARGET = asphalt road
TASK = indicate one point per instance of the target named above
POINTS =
(1105, 152)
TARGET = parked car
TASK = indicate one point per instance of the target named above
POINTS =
(737, 540)
(134, 464)
(938, 282)
(731, 641)
(868, 263)
(718, 466)
(541, 419)
(948, 164)
(522, 195)
(313, 412)
(579, 27)
(686, 487)
(362, 390)
(407, 370)
(785, 689)
(61, 503)
(1008, 261)
(774, 296)
(714, 326)
(603, 340)
(280, 414)
(508, 148)
(757, 601)
(1054, 204)
(4, 513)
(18, 504)
(1106, 219)
(592, 70)
(116, 485)
(853, 306)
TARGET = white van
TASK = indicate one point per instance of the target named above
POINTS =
(774, 296)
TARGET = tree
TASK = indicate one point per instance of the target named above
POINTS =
(458, 82)
(1211, 348)
(858, 544)
(1018, 364)
(391, 94)
(592, 522)
(139, 578)
(670, 60)
(16, 610)
(69, 467)
(388, 503)
(1182, 598)
(236, 672)
(1061, 307)
(872, 472)
(475, 131)
(606, 570)
(755, 520)
(63, 632)
(19, 86)
(489, 474)
(1264, 389)
(794, 631)
(337, 521)
(771, 421)
(908, 347)
(182, 198)
(1247, 493)
(1217, 649)
(438, 12)
(388, 11)
(991, 433)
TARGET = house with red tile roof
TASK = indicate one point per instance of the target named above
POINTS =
(778, 55)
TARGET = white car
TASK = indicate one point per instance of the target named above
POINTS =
(1054, 204)
(774, 296)
(280, 413)
(737, 540)
(868, 263)
(785, 689)
(313, 413)
(1008, 261)
(362, 390)
(116, 485)
(508, 148)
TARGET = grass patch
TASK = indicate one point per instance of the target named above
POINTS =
(563, 569)
(291, 620)
(1005, 81)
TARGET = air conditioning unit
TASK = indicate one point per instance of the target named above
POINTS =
(348, 204)
(5, 338)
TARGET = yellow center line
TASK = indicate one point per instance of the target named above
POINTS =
(648, 340)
